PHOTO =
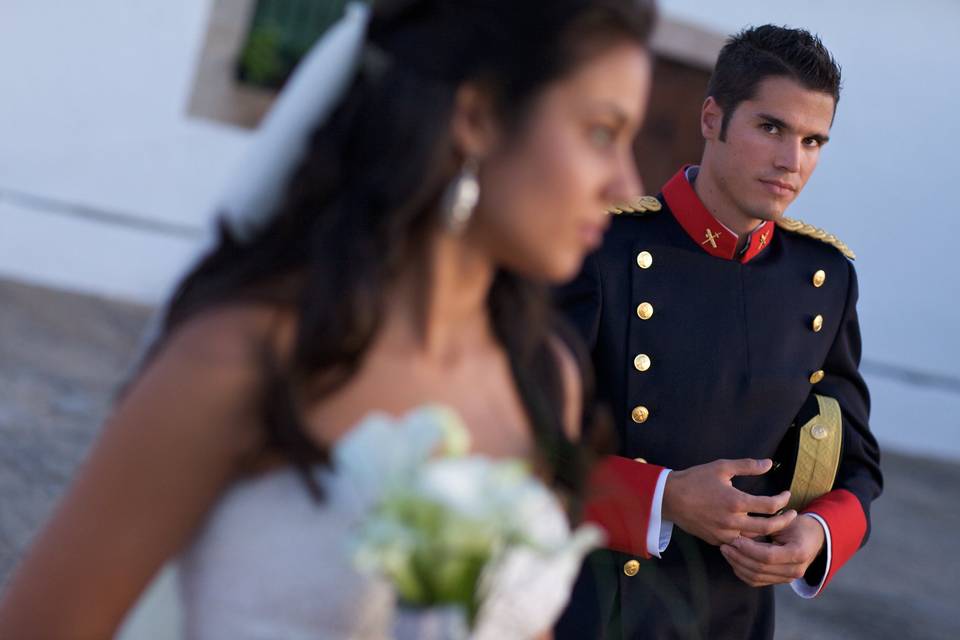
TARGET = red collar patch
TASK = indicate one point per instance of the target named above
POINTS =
(712, 236)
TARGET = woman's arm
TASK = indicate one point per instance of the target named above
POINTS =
(177, 438)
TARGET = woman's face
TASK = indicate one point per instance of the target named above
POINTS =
(544, 192)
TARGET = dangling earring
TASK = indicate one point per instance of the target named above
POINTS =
(460, 198)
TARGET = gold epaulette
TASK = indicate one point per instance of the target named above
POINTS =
(644, 204)
(804, 229)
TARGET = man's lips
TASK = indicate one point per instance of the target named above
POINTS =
(779, 187)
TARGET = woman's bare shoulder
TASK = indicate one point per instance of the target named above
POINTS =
(232, 335)
(208, 374)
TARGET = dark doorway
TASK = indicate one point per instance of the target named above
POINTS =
(671, 135)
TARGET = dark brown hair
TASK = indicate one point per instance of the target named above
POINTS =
(757, 53)
(363, 202)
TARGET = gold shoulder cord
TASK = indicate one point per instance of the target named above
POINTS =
(802, 228)
(644, 204)
(818, 455)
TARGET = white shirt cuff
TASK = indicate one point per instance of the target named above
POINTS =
(800, 586)
(659, 531)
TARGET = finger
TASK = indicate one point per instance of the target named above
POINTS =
(767, 553)
(746, 467)
(746, 574)
(781, 571)
(753, 526)
(764, 504)
(726, 536)
(755, 580)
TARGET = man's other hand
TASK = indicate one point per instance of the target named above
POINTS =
(784, 559)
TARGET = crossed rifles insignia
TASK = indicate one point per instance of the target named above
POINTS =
(711, 237)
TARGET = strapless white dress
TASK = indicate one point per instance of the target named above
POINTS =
(272, 562)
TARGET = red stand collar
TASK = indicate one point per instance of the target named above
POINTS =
(708, 232)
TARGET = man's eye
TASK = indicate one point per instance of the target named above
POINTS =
(769, 128)
(602, 136)
(811, 142)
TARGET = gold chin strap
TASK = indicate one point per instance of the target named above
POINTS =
(818, 455)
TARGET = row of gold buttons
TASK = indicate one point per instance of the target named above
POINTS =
(818, 279)
(642, 361)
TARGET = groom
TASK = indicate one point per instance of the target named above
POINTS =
(712, 320)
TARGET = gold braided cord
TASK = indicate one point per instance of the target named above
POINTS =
(643, 204)
(802, 228)
(818, 458)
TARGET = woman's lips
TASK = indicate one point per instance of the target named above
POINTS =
(592, 234)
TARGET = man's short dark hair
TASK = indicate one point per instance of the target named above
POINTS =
(758, 53)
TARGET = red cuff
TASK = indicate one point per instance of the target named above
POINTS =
(620, 499)
(843, 514)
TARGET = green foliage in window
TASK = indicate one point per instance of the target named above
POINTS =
(281, 32)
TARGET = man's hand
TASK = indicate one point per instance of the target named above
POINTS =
(785, 559)
(703, 502)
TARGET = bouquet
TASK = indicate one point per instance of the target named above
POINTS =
(479, 543)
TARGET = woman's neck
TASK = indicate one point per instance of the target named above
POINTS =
(438, 307)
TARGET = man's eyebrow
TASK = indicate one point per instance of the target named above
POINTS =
(821, 138)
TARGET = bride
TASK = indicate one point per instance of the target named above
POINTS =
(388, 251)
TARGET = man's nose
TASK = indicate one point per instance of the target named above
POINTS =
(789, 155)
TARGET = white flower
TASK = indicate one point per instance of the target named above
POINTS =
(383, 451)
(472, 531)
(526, 589)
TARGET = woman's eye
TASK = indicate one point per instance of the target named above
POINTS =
(602, 136)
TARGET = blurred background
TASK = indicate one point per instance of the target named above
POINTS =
(120, 120)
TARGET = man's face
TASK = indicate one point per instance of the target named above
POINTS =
(772, 146)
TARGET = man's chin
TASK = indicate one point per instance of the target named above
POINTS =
(770, 213)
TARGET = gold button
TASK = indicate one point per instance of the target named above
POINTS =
(641, 362)
(816, 376)
(644, 260)
(640, 414)
(819, 278)
(817, 324)
(818, 431)
(645, 310)
(643, 460)
(631, 568)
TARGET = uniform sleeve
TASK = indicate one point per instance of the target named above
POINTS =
(621, 496)
(845, 511)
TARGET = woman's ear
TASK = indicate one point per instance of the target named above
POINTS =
(474, 125)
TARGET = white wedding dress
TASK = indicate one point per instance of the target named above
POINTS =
(272, 562)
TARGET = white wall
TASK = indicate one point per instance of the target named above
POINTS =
(93, 117)
(886, 185)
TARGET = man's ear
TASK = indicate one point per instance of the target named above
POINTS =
(711, 120)
(473, 126)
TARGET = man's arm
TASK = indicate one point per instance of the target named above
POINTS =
(810, 552)
(845, 511)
